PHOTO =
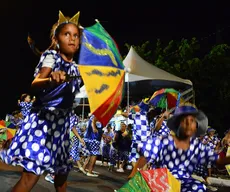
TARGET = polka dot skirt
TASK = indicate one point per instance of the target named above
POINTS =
(74, 149)
(42, 143)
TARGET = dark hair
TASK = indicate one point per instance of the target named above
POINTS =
(56, 29)
(153, 113)
(16, 112)
(23, 96)
(54, 33)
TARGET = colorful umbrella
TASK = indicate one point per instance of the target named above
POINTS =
(152, 180)
(166, 98)
(102, 71)
(6, 124)
(8, 134)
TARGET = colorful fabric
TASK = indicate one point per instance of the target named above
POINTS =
(135, 184)
(181, 163)
(166, 98)
(161, 180)
(103, 72)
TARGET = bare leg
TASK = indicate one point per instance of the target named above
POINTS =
(79, 164)
(26, 182)
(86, 163)
(60, 183)
(92, 163)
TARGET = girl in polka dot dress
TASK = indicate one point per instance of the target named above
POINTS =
(43, 142)
(25, 103)
(182, 152)
(159, 125)
(75, 142)
(92, 140)
(141, 130)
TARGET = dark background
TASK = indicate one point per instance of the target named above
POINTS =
(127, 22)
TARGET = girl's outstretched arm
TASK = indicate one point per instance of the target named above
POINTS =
(139, 165)
(42, 79)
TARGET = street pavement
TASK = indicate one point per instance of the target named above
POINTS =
(106, 182)
(77, 182)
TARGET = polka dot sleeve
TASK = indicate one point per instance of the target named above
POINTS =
(207, 156)
(151, 149)
(47, 59)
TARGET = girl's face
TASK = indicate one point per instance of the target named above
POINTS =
(188, 125)
(27, 99)
(68, 39)
(211, 133)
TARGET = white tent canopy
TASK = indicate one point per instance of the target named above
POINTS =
(139, 70)
(82, 93)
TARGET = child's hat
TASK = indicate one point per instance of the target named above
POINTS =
(188, 109)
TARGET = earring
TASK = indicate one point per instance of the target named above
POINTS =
(57, 46)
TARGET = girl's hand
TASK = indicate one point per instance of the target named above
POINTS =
(166, 114)
(58, 77)
(82, 142)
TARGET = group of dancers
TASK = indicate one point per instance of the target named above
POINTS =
(42, 142)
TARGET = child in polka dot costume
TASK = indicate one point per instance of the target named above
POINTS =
(75, 142)
(210, 139)
(182, 152)
(43, 142)
(141, 129)
(92, 140)
(25, 103)
(159, 125)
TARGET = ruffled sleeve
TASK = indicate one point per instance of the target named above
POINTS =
(47, 59)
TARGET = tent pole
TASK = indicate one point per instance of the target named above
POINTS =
(127, 96)
(83, 109)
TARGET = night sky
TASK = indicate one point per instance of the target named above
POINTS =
(127, 22)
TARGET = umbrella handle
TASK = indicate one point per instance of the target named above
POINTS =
(68, 78)
(166, 103)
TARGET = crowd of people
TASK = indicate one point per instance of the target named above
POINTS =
(143, 131)
(51, 138)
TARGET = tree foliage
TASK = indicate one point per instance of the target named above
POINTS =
(209, 71)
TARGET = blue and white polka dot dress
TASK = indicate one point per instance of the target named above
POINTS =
(163, 131)
(25, 108)
(162, 152)
(74, 143)
(93, 140)
(43, 141)
(211, 141)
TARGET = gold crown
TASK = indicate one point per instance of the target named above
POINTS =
(63, 19)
